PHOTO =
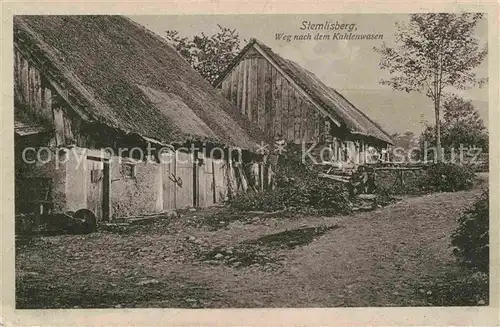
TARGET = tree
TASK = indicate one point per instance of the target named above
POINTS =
(209, 55)
(461, 125)
(434, 51)
(406, 140)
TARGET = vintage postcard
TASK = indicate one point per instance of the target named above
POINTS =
(281, 165)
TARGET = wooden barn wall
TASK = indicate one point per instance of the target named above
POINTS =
(36, 97)
(266, 97)
(31, 90)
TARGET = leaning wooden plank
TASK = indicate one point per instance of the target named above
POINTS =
(334, 177)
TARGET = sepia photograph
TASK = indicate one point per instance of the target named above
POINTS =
(251, 160)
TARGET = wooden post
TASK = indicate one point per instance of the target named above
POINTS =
(196, 181)
(214, 187)
(106, 201)
(401, 178)
(261, 176)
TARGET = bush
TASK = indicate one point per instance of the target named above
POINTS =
(298, 189)
(456, 288)
(447, 177)
(471, 239)
(388, 183)
(385, 196)
(324, 197)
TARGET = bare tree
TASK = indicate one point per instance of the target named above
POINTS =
(434, 51)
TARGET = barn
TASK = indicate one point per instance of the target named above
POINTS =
(110, 118)
(290, 103)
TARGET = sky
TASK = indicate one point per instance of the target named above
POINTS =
(349, 66)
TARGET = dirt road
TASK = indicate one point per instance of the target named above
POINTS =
(366, 259)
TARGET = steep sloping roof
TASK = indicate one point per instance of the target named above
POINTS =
(324, 96)
(131, 79)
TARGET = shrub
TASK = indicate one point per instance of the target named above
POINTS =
(447, 177)
(460, 287)
(298, 189)
(471, 238)
(388, 183)
(384, 196)
(322, 196)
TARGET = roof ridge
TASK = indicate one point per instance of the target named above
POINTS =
(155, 35)
(147, 58)
(361, 112)
(269, 49)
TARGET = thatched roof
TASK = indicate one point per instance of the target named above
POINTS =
(126, 77)
(328, 98)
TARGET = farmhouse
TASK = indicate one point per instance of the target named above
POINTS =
(100, 102)
(290, 103)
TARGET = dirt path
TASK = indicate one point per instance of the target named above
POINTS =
(372, 259)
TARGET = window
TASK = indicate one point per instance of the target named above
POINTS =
(127, 170)
(96, 175)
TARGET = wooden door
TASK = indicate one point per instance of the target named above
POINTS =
(95, 187)
(169, 183)
(206, 183)
(220, 169)
(184, 188)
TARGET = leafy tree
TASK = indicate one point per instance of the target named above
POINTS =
(434, 51)
(406, 140)
(461, 125)
(209, 55)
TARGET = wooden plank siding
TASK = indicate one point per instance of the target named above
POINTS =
(234, 86)
(268, 90)
(240, 96)
(261, 93)
(35, 96)
(255, 90)
(30, 90)
(278, 105)
(284, 107)
(267, 98)
(244, 95)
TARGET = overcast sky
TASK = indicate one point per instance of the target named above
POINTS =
(351, 67)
